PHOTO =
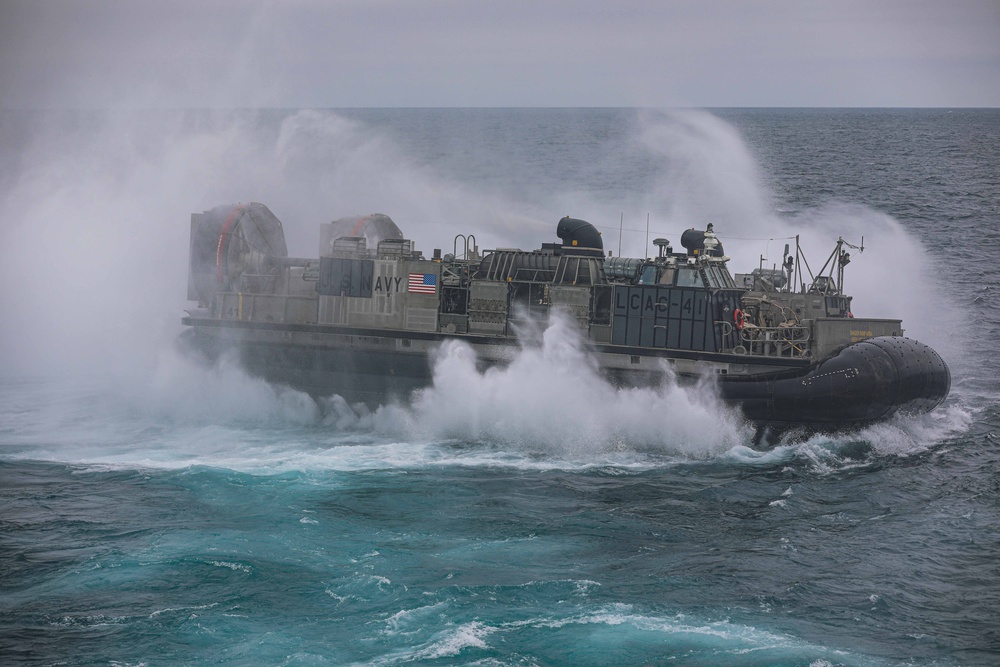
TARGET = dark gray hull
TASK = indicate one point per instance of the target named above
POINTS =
(863, 383)
(866, 382)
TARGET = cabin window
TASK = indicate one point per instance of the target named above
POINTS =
(648, 276)
(718, 277)
(688, 276)
(712, 274)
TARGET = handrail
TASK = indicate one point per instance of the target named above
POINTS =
(779, 341)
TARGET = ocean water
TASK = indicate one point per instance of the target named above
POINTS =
(156, 512)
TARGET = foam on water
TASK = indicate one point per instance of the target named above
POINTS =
(549, 409)
(609, 633)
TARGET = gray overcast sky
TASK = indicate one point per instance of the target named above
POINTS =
(401, 53)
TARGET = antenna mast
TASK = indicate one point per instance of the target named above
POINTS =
(644, 248)
(621, 224)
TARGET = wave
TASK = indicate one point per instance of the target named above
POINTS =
(611, 633)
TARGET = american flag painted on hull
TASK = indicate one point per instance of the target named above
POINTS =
(422, 283)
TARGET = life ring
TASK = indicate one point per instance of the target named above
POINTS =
(739, 319)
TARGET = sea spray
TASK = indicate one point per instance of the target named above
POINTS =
(552, 396)
(707, 173)
(97, 218)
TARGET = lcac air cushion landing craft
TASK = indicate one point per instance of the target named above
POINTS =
(363, 318)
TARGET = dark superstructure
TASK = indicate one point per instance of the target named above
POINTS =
(362, 319)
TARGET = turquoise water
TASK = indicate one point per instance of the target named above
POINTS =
(156, 512)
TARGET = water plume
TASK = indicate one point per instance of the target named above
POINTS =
(93, 250)
(707, 173)
(551, 399)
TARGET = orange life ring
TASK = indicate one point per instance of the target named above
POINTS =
(739, 319)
